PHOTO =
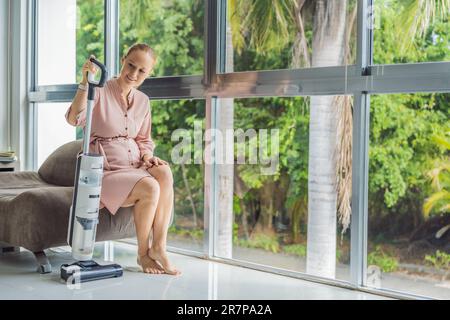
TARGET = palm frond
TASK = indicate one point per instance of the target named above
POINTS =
(268, 22)
(235, 9)
(437, 173)
(344, 108)
(442, 141)
(433, 201)
(351, 23)
(300, 51)
(418, 15)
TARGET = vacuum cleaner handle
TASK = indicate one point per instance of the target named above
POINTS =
(100, 83)
(90, 105)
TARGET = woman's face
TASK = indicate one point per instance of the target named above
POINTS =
(136, 67)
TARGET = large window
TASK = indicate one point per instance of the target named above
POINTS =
(281, 192)
(409, 233)
(266, 205)
(177, 127)
(68, 32)
(290, 34)
(173, 28)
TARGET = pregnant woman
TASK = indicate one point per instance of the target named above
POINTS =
(133, 176)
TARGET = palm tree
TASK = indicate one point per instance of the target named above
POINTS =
(269, 22)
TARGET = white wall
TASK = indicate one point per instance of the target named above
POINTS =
(3, 75)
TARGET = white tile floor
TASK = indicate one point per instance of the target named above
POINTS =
(201, 279)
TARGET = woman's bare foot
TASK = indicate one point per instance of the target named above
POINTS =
(149, 265)
(160, 256)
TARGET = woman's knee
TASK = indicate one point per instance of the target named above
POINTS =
(148, 188)
(163, 174)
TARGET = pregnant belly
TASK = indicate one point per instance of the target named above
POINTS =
(120, 154)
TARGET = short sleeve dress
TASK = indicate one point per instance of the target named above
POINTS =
(121, 133)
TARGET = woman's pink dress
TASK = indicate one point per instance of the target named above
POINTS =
(121, 134)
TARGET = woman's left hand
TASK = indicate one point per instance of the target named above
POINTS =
(153, 161)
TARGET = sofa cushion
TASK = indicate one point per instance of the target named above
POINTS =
(59, 168)
(38, 218)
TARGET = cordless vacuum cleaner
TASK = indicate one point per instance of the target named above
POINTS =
(85, 205)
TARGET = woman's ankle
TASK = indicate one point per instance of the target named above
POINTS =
(158, 247)
(142, 253)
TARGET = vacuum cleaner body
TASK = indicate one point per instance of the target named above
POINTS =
(84, 212)
(85, 206)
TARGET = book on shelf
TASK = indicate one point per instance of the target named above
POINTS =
(8, 159)
(7, 154)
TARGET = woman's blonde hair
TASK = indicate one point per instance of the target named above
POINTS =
(143, 47)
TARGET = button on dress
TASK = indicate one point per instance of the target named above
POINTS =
(121, 133)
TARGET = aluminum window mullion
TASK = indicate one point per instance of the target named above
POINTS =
(210, 36)
(32, 116)
(111, 49)
(9, 77)
(111, 36)
(405, 78)
(360, 152)
(209, 78)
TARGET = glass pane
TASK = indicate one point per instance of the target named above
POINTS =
(51, 120)
(173, 124)
(409, 185)
(276, 207)
(66, 39)
(268, 35)
(424, 36)
(174, 29)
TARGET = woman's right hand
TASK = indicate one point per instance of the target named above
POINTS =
(88, 66)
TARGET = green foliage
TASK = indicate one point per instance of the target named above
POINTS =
(439, 201)
(400, 149)
(380, 258)
(338, 254)
(90, 35)
(439, 260)
(174, 29)
(261, 241)
(196, 234)
(403, 47)
(268, 243)
(235, 233)
(295, 249)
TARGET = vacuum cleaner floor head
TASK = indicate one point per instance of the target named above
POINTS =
(83, 271)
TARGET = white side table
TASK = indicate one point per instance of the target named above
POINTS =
(9, 166)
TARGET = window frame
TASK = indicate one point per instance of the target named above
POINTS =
(360, 80)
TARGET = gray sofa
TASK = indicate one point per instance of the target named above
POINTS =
(34, 208)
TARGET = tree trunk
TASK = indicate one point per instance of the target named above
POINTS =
(266, 193)
(226, 171)
(328, 44)
(240, 189)
(188, 190)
